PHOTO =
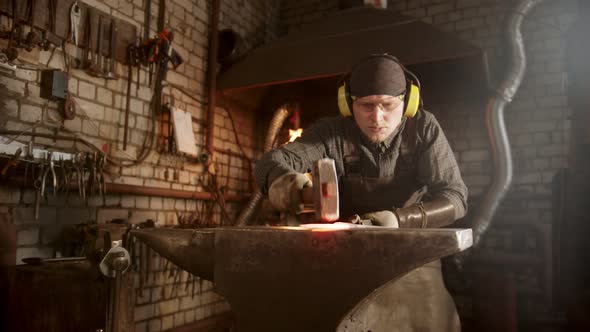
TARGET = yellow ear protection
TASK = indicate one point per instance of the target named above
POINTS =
(411, 98)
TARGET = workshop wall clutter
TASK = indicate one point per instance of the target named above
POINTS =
(99, 123)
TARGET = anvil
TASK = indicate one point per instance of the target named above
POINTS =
(305, 278)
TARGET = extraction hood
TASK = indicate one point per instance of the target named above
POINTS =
(328, 47)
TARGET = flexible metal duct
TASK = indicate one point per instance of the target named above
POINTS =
(273, 129)
(495, 122)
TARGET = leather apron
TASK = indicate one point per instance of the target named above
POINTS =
(418, 301)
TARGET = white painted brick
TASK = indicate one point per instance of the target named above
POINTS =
(475, 155)
(105, 215)
(70, 215)
(10, 108)
(142, 202)
(155, 325)
(189, 316)
(200, 313)
(143, 312)
(104, 96)
(171, 218)
(86, 90)
(136, 106)
(27, 75)
(180, 205)
(28, 236)
(144, 93)
(90, 128)
(167, 322)
(73, 85)
(9, 195)
(141, 216)
(156, 183)
(128, 201)
(30, 113)
(141, 326)
(169, 306)
(156, 203)
(13, 85)
(131, 180)
(188, 302)
(179, 319)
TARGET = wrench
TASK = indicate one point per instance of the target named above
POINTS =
(75, 22)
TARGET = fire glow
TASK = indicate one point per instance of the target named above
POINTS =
(294, 134)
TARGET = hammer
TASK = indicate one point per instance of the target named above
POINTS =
(322, 197)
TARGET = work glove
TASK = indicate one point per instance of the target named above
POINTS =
(384, 218)
(286, 192)
(437, 212)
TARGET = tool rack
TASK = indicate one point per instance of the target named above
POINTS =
(126, 35)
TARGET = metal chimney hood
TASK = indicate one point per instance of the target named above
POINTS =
(328, 47)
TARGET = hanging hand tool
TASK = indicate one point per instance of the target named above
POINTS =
(11, 50)
(147, 17)
(11, 162)
(132, 59)
(32, 38)
(75, 12)
(98, 68)
(95, 68)
(29, 159)
(159, 51)
(111, 73)
(50, 168)
(49, 36)
(84, 63)
(37, 185)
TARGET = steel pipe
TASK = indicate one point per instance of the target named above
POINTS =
(496, 126)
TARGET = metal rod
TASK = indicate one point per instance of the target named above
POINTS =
(116, 188)
(212, 73)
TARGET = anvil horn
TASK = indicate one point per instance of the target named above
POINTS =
(191, 250)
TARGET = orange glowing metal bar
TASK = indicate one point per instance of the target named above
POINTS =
(327, 227)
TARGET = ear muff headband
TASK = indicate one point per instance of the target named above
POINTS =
(411, 99)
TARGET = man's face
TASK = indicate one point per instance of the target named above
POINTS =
(378, 115)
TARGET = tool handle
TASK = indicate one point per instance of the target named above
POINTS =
(307, 195)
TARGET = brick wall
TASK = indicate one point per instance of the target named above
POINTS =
(537, 120)
(99, 120)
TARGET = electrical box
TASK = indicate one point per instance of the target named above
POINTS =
(54, 84)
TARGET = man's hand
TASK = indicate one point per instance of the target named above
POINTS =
(384, 218)
(285, 192)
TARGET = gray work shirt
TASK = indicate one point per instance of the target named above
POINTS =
(436, 166)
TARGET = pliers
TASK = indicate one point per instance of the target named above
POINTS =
(53, 176)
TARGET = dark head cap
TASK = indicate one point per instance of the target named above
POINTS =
(377, 75)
